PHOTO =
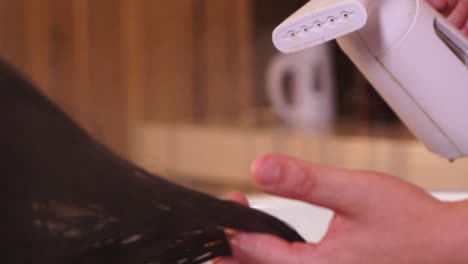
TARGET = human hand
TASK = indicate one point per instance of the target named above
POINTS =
(379, 219)
(456, 12)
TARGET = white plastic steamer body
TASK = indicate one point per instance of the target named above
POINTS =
(409, 53)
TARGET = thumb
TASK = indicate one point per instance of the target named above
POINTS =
(253, 248)
(345, 191)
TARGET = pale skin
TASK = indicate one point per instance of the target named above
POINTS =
(378, 218)
(456, 12)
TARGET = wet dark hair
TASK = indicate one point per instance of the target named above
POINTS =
(68, 199)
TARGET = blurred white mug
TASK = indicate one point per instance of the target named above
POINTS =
(301, 87)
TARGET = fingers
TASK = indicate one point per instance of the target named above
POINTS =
(459, 16)
(240, 198)
(456, 12)
(251, 248)
(445, 7)
(346, 192)
(337, 189)
(225, 261)
(440, 5)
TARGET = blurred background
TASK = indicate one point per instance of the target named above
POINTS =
(194, 90)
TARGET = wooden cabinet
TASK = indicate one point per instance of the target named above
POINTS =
(112, 63)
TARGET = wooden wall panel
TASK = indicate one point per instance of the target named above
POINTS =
(167, 65)
(13, 32)
(133, 55)
(111, 64)
(82, 67)
(62, 47)
(245, 58)
(218, 59)
(107, 94)
(38, 17)
(226, 60)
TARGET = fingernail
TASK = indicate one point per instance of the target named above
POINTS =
(246, 245)
(268, 171)
(240, 240)
(234, 240)
(230, 232)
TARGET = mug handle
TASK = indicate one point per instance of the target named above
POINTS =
(282, 68)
